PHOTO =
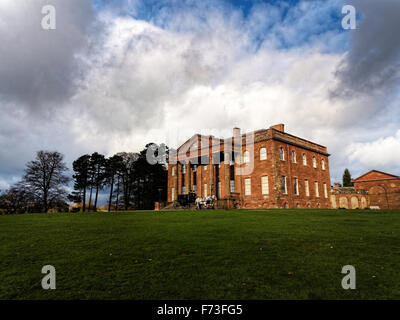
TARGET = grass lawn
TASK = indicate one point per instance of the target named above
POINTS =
(242, 254)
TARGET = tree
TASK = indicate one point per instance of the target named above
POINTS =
(347, 179)
(81, 180)
(114, 166)
(45, 178)
(16, 200)
(98, 165)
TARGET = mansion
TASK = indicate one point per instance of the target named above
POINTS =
(267, 168)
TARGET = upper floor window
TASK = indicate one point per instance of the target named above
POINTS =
(314, 162)
(304, 159)
(281, 153)
(172, 171)
(325, 191)
(232, 186)
(205, 168)
(184, 168)
(246, 157)
(294, 156)
(263, 153)
(323, 164)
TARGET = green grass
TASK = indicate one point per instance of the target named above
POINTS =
(273, 254)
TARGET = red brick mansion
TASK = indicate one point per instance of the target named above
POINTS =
(268, 168)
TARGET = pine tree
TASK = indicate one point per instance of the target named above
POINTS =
(347, 179)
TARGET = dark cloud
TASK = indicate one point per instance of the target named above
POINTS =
(39, 67)
(372, 65)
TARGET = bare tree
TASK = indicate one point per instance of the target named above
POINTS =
(45, 178)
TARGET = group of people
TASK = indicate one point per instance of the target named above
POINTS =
(206, 202)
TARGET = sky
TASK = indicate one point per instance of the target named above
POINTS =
(116, 75)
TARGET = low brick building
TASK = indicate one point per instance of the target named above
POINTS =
(383, 189)
(267, 168)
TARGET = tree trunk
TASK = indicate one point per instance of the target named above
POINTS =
(90, 198)
(84, 199)
(111, 194)
(95, 199)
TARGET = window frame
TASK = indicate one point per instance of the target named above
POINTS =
(247, 186)
(264, 184)
(263, 154)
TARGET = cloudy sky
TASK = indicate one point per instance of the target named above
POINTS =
(115, 75)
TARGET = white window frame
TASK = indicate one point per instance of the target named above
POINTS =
(263, 154)
(172, 194)
(325, 191)
(284, 185)
(172, 171)
(281, 153)
(314, 162)
(296, 182)
(323, 164)
(232, 185)
(294, 160)
(205, 190)
(316, 189)
(304, 159)
(219, 189)
(246, 156)
(307, 188)
(264, 185)
(247, 186)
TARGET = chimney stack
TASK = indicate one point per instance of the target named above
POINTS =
(236, 132)
(279, 127)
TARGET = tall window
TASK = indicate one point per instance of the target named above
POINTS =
(325, 191)
(205, 190)
(304, 159)
(183, 190)
(247, 187)
(263, 154)
(184, 168)
(172, 194)
(219, 190)
(246, 157)
(232, 186)
(316, 189)
(281, 153)
(195, 188)
(264, 185)
(296, 186)
(172, 171)
(323, 164)
(307, 188)
(314, 162)
(294, 156)
(284, 189)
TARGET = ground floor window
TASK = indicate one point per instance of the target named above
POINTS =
(232, 186)
(296, 186)
(183, 190)
(219, 190)
(283, 181)
(172, 194)
(325, 191)
(316, 189)
(247, 187)
(205, 190)
(307, 188)
(264, 185)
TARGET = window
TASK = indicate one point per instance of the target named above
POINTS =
(183, 190)
(263, 154)
(325, 191)
(323, 164)
(304, 159)
(316, 189)
(307, 187)
(195, 188)
(296, 186)
(314, 162)
(184, 168)
(232, 185)
(246, 157)
(281, 153)
(195, 168)
(172, 171)
(172, 194)
(264, 185)
(294, 156)
(205, 168)
(219, 190)
(205, 190)
(284, 189)
(247, 187)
